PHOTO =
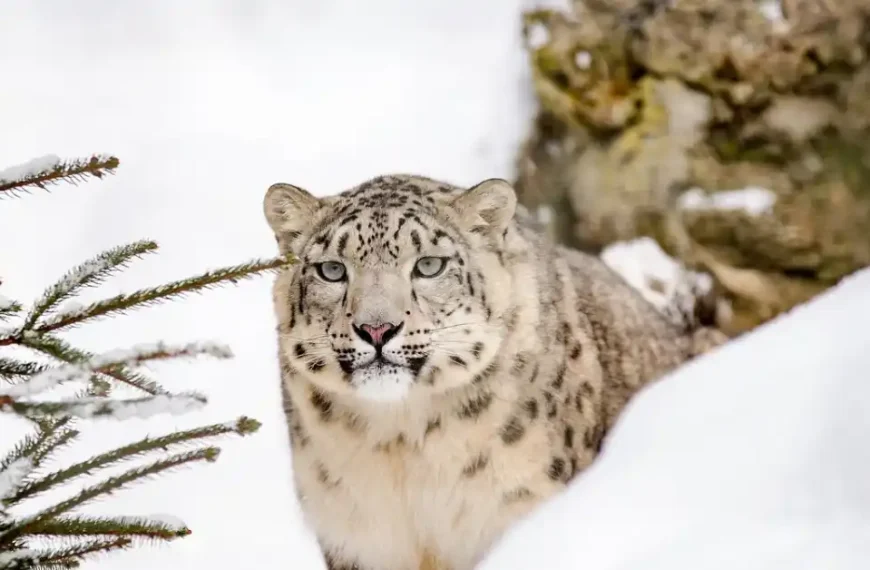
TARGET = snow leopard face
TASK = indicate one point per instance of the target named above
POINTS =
(398, 287)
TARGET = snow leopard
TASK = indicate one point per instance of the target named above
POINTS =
(445, 367)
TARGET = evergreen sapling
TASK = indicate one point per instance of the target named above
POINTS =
(38, 360)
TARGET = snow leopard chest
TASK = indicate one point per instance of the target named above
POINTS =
(439, 506)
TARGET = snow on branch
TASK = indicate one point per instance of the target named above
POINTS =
(13, 475)
(160, 527)
(11, 369)
(100, 407)
(22, 449)
(50, 169)
(61, 350)
(8, 307)
(69, 556)
(20, 558)
(146, 297)
(83, 371)
(62, 537)
(52, 435)
(88, 274)
(31, 168)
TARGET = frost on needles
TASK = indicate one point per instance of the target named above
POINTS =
(35, 360)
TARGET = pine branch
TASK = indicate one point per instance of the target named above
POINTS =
(102, 363)
(22, 527)
(243, 426)
(151, 296)
(9, 308)
(63, 351)
(45, 171)
(139, 527)
(23, 448)
(101, 407)
(53, 443)
(70, 556)
(88, 274)
(11, 369)
(98, 387)
(37, 446)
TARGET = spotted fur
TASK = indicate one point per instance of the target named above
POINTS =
(501, 379)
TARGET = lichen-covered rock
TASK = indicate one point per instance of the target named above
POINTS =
(662, 118)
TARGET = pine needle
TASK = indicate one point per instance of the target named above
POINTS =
(9, 308)
(102, 407)
(151, 296)
(140, 527)
(70, 556)
(108, 486)
(88, 274)
(23, 448)
(242, 426)
(53, 433)
(43, 172)
(53, 443)
(102, 363)
(63, 351)
(81, 537)
(12, 370)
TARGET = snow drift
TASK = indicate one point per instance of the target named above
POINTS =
(755, 456)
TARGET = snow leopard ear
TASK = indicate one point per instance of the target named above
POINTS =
(291, 212)
(486, 208)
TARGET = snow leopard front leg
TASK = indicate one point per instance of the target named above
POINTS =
(331, 564)
(427, 563)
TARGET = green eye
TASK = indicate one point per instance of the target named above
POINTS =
(331, 271)
(429, 266)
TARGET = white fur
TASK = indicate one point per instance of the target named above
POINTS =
(414, 499)
(382, 383)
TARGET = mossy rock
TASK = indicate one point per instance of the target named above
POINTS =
(642, 101)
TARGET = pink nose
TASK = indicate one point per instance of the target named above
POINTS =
(380, 333)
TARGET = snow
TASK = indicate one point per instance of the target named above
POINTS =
(544, 215)
(7, 559)
(753, 457)
(138, 354)
(205, 117)
(663, 281)
(69, 309)
(772, 10)
(13, 475)
(173, 404)
(165, 520)
(148, 351)
(82, 273)
(171, 521)
(115, 409)
(583, 59)
(45, 381)
(30, 168)
(537, 35)
(752, 200)
(6, 303)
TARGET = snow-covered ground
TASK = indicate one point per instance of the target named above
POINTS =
(752, 454)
